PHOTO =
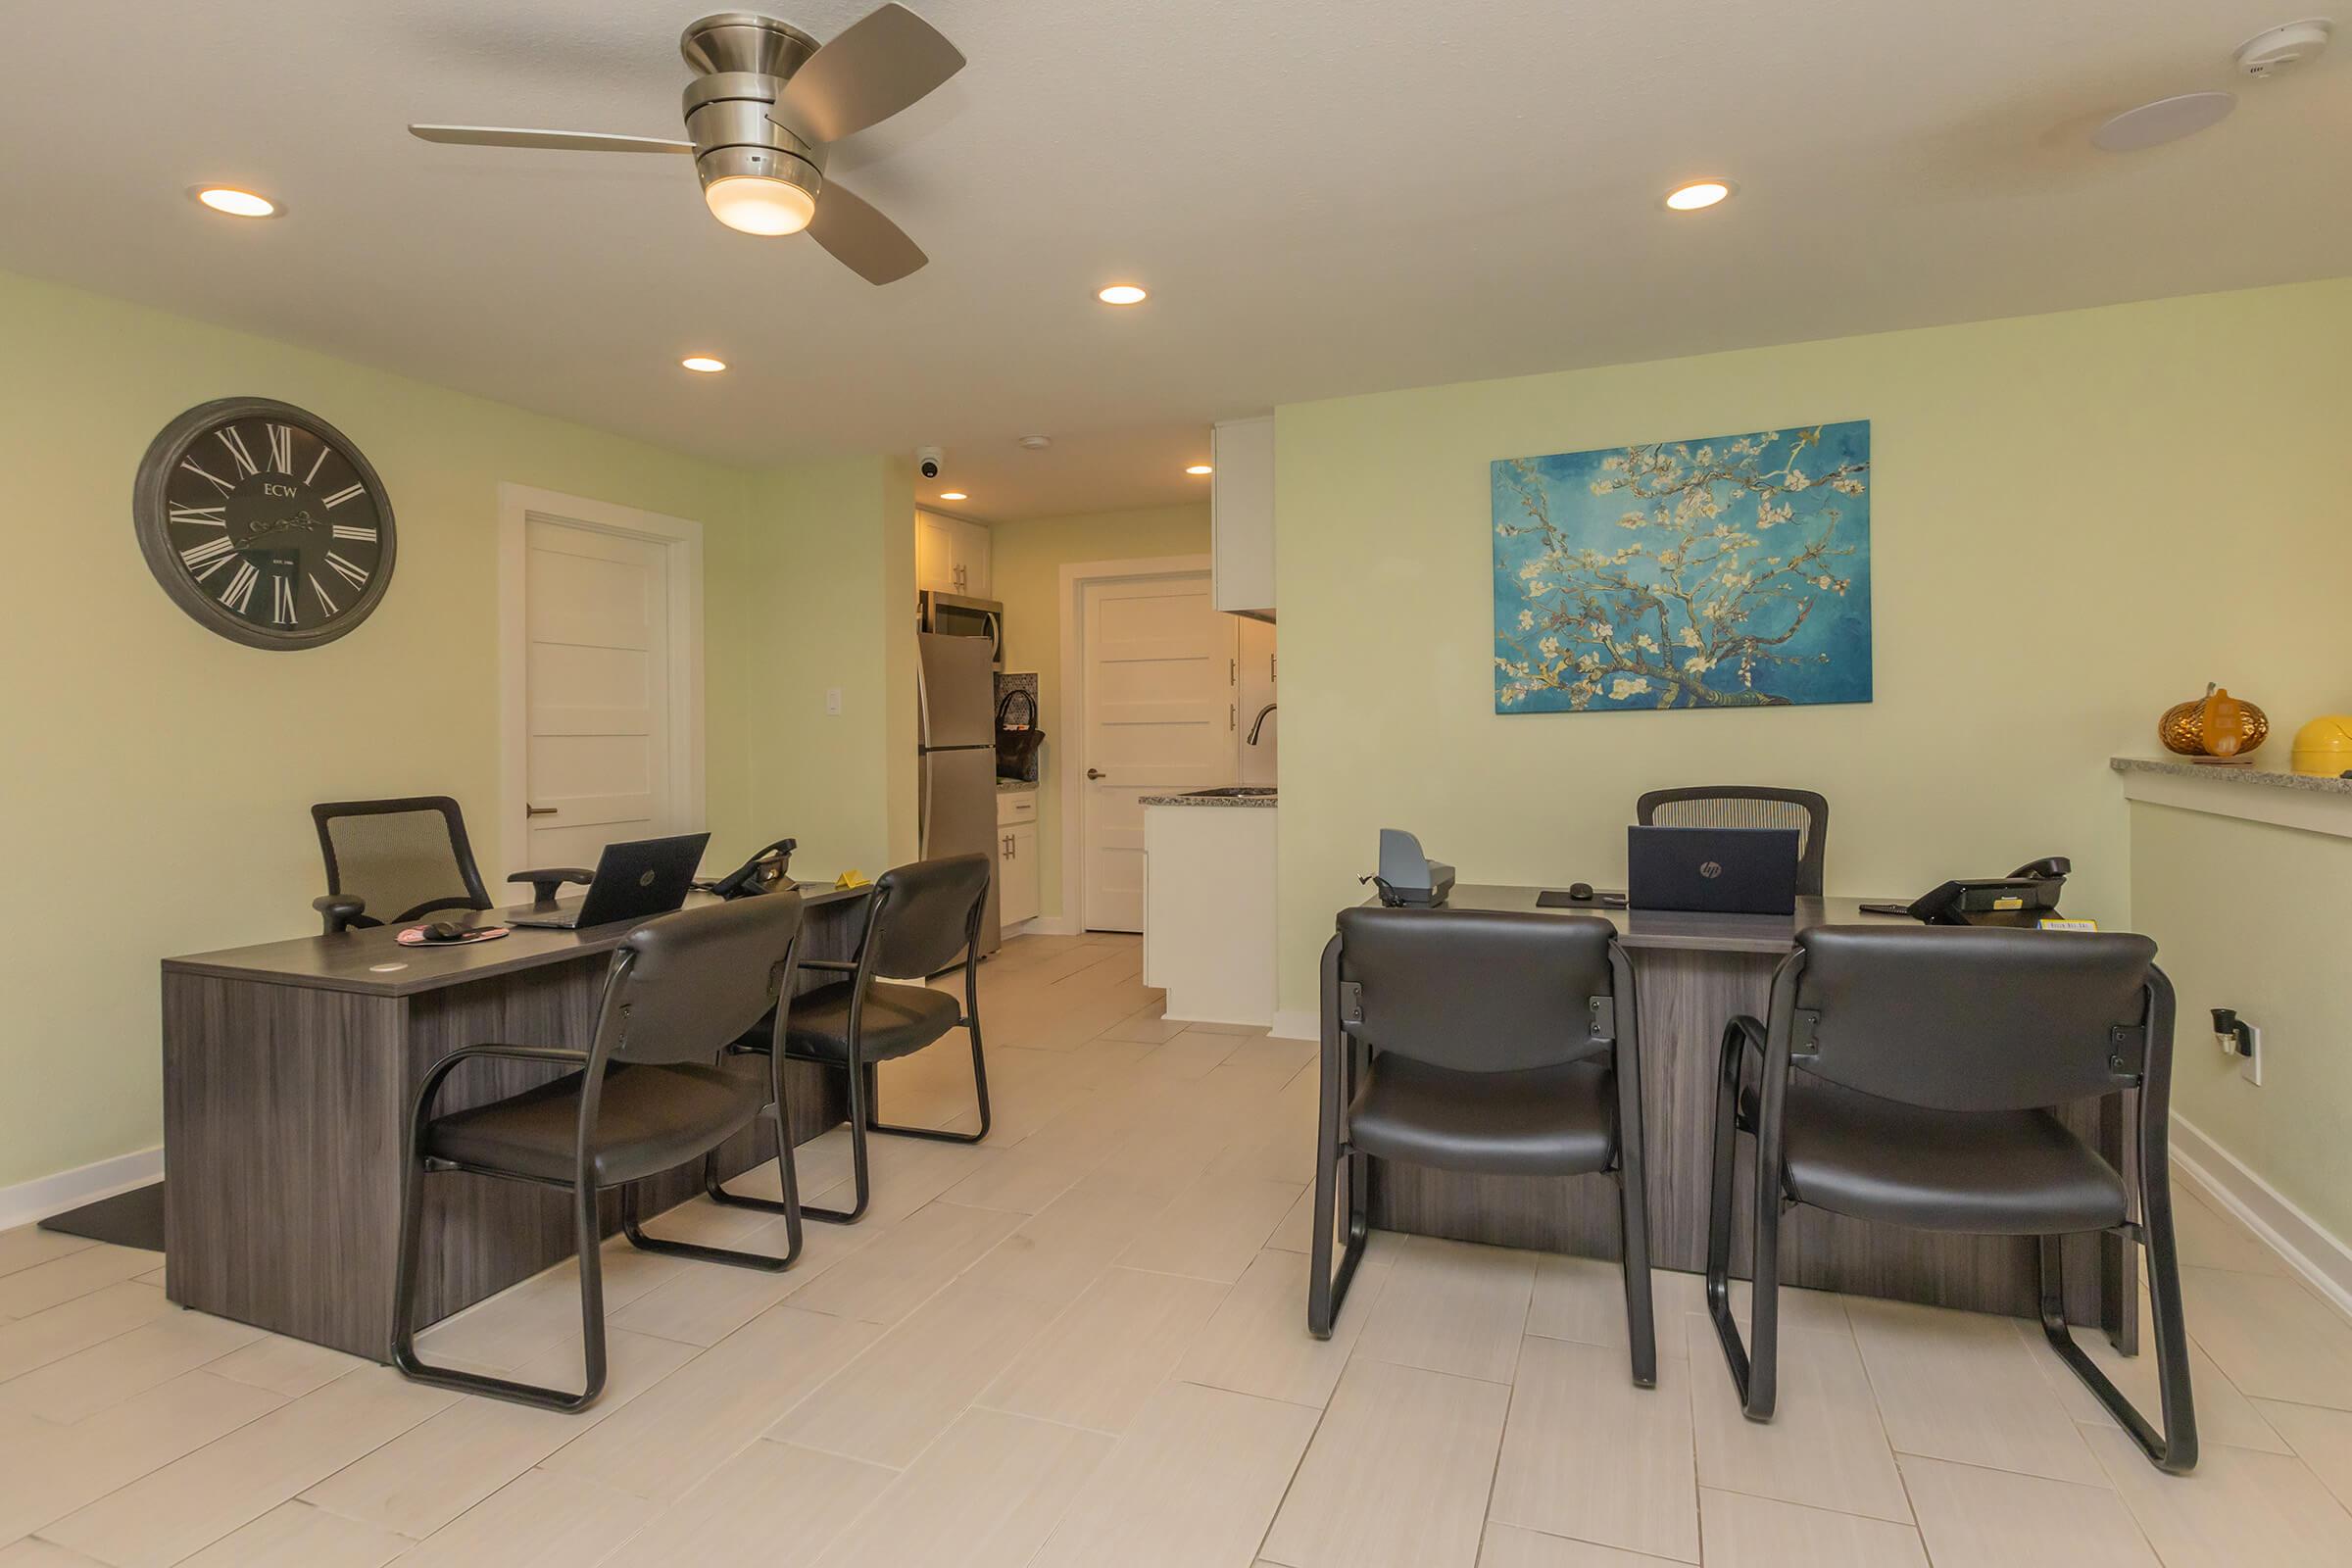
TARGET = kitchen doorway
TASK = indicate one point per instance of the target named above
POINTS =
(1148, 669)
(601, 677)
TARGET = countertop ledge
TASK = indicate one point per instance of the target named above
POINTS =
(2245, 773)
(2310, 803)
(1246, 801)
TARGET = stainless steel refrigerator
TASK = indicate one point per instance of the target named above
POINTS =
(957, 755)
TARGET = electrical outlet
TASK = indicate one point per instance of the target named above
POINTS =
(2250, 1065)
(833, 701)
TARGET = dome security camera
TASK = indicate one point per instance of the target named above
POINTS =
(929, 461)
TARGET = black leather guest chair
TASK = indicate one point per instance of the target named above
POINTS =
(654, 1089)
(1488, 1042)
(404, 860)
(1749, 805)
(921, 919)
(1907, 1075)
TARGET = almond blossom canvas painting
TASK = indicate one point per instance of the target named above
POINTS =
(1727, 572)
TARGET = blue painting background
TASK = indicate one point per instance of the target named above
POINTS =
(1832, 645)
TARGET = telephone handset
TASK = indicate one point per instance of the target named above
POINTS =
(764, 872)
(2025, 894)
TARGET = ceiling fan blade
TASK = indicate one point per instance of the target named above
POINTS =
(562, 141)
(861, 238)
(874, 68)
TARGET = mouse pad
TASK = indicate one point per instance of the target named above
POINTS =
(413, 937)
(1558, 899)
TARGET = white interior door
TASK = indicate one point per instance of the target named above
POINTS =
(1159, 721)
(597, 694)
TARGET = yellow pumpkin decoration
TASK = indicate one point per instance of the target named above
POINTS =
(2216, 724)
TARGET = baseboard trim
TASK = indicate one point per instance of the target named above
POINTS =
(1050, 925)
(1297, 1023)
(44, 1196)
(2310, 1249)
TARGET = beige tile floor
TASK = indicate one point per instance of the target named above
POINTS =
(1083, 1343)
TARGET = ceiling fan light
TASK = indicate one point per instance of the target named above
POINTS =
(760, 204)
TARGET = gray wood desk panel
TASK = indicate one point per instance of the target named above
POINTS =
(288, 1074)
(1693, 974)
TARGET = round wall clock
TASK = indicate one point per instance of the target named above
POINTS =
(264, 524)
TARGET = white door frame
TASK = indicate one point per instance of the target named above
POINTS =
(1075, 576)
(683, 540)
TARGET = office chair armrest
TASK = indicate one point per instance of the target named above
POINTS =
(340, 911)
(442, 1068)
(544, 883)
(839, 965)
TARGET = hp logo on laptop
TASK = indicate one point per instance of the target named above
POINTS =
(1710, 869)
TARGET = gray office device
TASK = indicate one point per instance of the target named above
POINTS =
(1406, 875)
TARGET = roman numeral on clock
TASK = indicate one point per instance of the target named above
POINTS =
(316, 462)
(281, 600)
(356, 576)
(345, 494)
(201, 517)
(355, 530)
(238, 594)
(282, 449)
(325, 601)
(203, 560)
(238, 452)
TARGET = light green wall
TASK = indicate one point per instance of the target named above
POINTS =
(823, 583)
(156, 792)
(1025, 561)
(2077, 521)
(2258, 918)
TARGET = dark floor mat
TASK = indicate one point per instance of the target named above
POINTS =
(127, 1219)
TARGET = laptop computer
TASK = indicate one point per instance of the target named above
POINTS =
(634, 881)
(1712, 870)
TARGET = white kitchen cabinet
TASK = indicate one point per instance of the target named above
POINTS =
(951, 555)
(1016, 857)
(1208, 910)
(1241, 513)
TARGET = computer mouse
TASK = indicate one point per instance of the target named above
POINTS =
(443, 931)
(1581, 891)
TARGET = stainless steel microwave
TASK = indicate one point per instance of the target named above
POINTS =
(950, 615)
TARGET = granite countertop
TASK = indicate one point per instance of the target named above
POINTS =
(1255, 802)
(1016, 786)
(2248, 773)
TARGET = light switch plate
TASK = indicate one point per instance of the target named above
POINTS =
(833, 700)
(2250, 1065)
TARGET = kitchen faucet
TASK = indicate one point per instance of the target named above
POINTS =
(1259, 722)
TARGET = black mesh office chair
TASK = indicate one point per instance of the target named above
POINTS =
(654, 1089)
(919, 920)
(1749, 805)
(1907, 1076)
(1472, 1041)
(405, 859)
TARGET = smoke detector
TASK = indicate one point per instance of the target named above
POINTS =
(2282, 49)
(1036, 443)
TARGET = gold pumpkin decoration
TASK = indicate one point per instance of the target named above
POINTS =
(2216, 724)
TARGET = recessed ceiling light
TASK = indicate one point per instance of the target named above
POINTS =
(1199, 467)
(954, 495)
(234, 202)
(1123, 294)
(1036, 443)
(2166, 120)
(1698, 194)
(703, 363)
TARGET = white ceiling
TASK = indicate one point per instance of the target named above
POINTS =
(1324, 197)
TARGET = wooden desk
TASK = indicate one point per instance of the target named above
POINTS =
(1692, 974)
(289, 1070)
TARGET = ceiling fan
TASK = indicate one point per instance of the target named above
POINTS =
(762, 112)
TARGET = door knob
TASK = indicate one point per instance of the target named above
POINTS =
(1096, 772)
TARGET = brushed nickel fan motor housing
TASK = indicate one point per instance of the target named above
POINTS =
(730, 119)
